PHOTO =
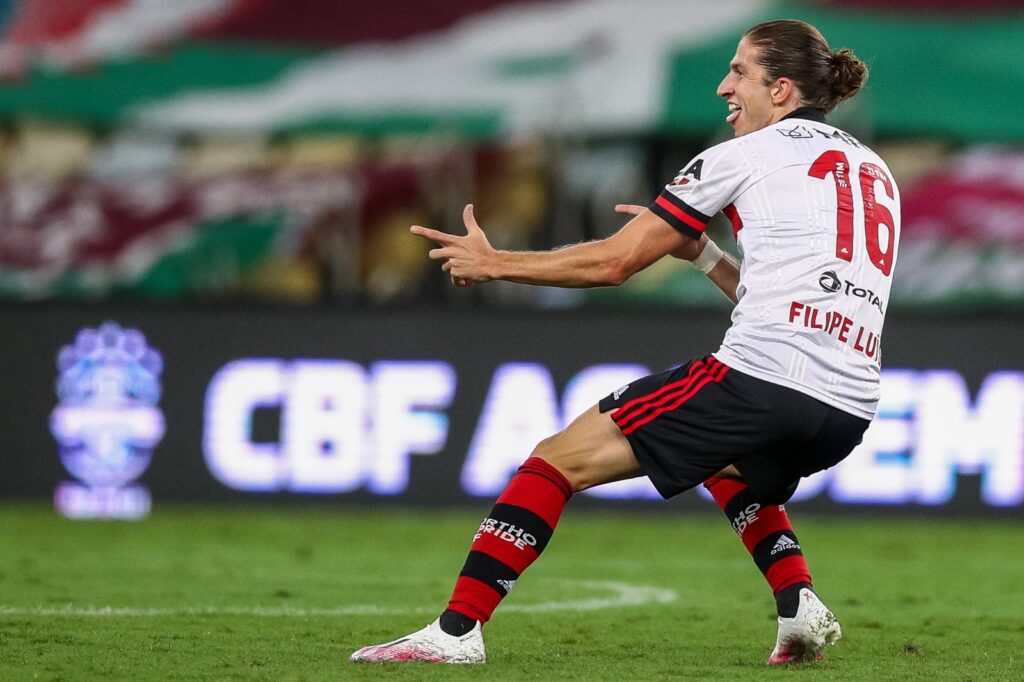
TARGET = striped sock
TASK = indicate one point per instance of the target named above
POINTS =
(765, 531)
(510, 538)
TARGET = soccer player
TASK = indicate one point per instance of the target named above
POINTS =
(795, 382)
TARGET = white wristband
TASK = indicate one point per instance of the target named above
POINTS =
(708, 258)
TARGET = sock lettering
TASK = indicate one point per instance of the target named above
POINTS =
(510, 538)
(765, 531)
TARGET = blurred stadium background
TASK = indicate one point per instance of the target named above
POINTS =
(229, 185)
(270, 151)
(208, 292)
(224, 188)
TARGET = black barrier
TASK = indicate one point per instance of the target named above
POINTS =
(438, 407)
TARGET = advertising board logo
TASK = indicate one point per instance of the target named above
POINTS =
(107, 421)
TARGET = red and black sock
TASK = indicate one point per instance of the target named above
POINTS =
(768, 535)
(508, 541)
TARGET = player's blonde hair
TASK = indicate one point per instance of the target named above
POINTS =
(798, 51)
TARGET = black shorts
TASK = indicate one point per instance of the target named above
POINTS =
(690, 422)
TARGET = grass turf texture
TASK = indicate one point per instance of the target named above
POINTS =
(918, 600)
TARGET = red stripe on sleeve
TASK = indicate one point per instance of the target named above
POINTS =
(680, 214)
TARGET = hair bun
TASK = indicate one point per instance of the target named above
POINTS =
(847, 72)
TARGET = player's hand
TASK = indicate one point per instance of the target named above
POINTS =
(629, 209)
(468, 259)
(691, 248)
(688, 251)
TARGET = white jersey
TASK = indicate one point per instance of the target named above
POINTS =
(817, 218)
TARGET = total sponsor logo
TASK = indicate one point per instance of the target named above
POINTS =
(830, 282)
(507, 532)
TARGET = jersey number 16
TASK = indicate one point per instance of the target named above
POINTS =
(835, 163)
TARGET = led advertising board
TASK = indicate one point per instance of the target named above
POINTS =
(111, 410)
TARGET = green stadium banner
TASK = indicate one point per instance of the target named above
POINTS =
(591, 68)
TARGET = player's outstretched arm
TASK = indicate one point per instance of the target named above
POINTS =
(470, 258)
(723, 273)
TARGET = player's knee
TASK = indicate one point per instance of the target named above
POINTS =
(581, 475)
(572, 468)
(546, 450)
(575, 476)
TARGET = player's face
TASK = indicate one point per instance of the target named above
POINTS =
(747, 91)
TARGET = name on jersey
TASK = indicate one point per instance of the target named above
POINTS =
(837, 325)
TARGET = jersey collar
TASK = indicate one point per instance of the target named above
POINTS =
(809, 113)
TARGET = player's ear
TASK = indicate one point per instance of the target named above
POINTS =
(781, 90)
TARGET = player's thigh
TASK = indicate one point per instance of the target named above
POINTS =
(590, 451)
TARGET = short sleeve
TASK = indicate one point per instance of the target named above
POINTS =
(706, 185)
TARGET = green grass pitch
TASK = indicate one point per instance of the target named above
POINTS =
(202, 593)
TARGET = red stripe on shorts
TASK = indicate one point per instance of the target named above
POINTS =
(635, 408)
(624, 413)
(679, 397)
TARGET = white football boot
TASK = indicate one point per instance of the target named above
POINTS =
(430, 645)
(804, 637)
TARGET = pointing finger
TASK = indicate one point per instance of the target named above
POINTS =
(442, 238)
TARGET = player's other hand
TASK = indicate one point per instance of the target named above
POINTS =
(468, 259)
(629, 209)
(688, 251)
(691, 248)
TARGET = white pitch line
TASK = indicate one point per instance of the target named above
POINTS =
(623, 595)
